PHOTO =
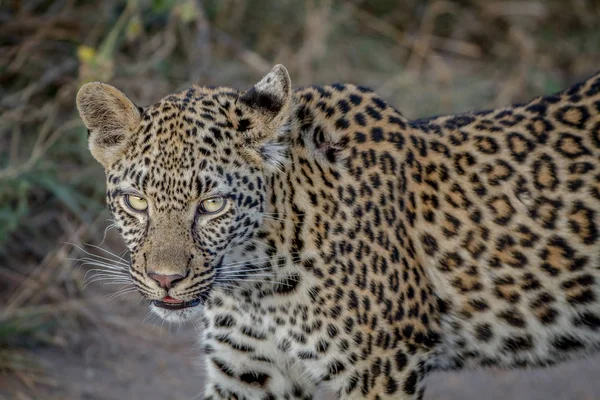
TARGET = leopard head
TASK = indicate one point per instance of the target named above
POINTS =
(186, 180)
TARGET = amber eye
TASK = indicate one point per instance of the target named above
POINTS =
(213, 205)
(136, 203)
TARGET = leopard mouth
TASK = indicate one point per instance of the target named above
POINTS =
(169, 303)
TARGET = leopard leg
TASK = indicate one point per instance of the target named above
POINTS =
(241, 378)
(396, 374)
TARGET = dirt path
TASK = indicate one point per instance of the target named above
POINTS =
(132, 359)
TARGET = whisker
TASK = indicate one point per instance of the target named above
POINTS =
(259, 259)
(90, 261)
(284, 214)
(255, 265)
(146, 292)
(254, 261)
(96, 274)
(111, 282)
(105, 262)
(113, 263)
(253, 281)
(106, 230)
(96, 278)
(123, 262)
(109, 277)
(259, 241)
(227, 286)
(128, 283)
(247, 274)
(148, 315)
(121, 293)
(106, 251)
(100, 272)
(249, 262)
(256, 268)
(127, 288)
(105, 272)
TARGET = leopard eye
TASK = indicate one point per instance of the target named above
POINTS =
(136, 203)
(213, 205)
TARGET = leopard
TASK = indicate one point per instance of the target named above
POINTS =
(319, 238)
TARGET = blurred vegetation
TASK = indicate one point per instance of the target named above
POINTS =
(426, 57)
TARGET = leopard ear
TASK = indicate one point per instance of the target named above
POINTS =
(269, 103)
(271, 96)
(110, 118)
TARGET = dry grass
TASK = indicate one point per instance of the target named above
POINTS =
(426, 57)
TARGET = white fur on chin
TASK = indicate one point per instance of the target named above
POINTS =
(177, 316)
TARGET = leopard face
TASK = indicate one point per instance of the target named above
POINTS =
(186, 184)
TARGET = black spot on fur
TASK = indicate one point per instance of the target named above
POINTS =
(287, 285)
(410, 384)
(516, 344)
(255, 378)
(566, 343)
(224, 321)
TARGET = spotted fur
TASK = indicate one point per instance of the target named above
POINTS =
(359, 249)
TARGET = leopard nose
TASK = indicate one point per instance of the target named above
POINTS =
(166, 281)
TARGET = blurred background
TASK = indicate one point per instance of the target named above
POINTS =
(64, 334)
